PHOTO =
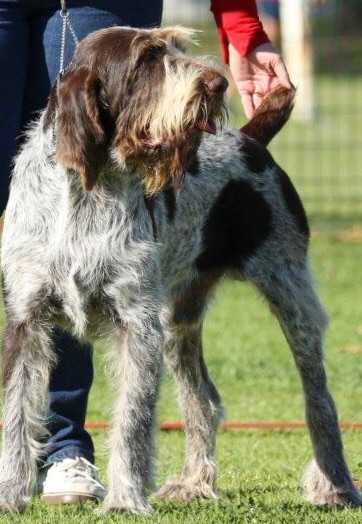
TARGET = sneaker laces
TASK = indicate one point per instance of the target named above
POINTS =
(79, 468)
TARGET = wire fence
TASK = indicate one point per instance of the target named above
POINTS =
(323, 155)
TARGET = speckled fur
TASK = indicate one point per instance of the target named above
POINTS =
(90, 261)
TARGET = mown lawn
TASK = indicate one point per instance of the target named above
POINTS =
(251, 364)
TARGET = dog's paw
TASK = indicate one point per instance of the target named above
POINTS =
(184, 489)
(351, 498)
(10, 498)
(320, 491)
(132, 503)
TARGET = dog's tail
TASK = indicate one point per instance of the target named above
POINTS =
(271, 115)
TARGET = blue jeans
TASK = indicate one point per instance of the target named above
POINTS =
(269, 7)
(30, 33)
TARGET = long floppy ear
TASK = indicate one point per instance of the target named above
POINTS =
(81, 138)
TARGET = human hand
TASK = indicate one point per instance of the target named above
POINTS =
(257, 74)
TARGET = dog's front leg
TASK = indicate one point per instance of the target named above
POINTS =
(202, 408)
(27, 359)
(130, 465)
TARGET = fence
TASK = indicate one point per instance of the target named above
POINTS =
(323, 155)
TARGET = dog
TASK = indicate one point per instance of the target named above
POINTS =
(123, 217)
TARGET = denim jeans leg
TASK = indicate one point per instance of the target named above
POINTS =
(14, 46)
(69, 387)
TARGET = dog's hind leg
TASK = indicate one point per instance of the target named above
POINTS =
(289, 290)
(27, 359)
(202, 408)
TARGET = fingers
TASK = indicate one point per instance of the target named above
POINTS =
(257, 100)
(266, 55)
(282, 74)
(248, 104)
(257, 74)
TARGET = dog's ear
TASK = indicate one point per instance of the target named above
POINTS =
(81, 142)
(178, 36)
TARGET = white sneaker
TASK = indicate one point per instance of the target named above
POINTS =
(70, 481)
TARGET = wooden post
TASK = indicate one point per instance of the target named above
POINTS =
(298, 53)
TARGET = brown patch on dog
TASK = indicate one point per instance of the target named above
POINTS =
(271, 115)
(238, 223)
(81, 139)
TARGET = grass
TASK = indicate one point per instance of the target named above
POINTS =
(251, 364)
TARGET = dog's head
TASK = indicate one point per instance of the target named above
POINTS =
(135, 93)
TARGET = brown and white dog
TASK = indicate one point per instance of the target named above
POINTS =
(121, 220)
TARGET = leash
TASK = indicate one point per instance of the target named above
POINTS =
(66, 24)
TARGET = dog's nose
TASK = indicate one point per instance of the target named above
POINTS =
(215, 83)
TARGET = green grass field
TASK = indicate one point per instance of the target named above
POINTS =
(249, 360)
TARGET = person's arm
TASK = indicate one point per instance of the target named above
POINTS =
(255, 65)
(238, 24)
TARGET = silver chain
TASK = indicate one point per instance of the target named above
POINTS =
(66, 23)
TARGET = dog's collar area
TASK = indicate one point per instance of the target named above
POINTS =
(150, 206)
(208, 126)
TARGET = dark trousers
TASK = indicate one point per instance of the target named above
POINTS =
(30, 37)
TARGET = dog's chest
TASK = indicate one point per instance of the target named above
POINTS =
(96, 265)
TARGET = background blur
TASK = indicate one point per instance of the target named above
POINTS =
(321, 148)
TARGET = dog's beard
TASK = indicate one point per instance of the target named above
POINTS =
(161, 140)
(167, 163)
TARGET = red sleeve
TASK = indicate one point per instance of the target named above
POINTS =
(238, 23)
